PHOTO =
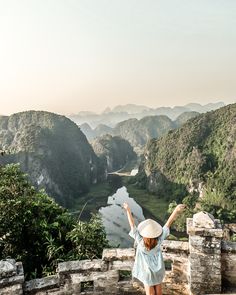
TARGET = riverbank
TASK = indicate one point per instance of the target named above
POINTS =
(91, 202)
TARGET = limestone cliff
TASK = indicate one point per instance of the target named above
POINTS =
(114, 151)
(52, 150)
(138, 132)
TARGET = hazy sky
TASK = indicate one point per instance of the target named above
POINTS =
(71, 55)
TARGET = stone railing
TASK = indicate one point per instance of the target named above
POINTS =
(175, 255)
(109, 275)
(204, 265)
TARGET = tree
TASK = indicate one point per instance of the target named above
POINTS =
(213, 201)
(88, 239)
(36, 230)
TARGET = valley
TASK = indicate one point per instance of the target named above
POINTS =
(174, 163)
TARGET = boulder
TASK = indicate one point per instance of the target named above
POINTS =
(203, 220)
(7, 268)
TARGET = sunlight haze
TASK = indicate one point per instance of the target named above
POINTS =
(67, 56)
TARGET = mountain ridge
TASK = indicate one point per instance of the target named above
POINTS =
(120, 113)
(138, 131)
(204, 152)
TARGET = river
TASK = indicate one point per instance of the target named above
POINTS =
(115, 220)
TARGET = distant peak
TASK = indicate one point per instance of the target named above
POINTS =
(107, 110)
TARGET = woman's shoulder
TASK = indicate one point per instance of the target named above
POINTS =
(165, 234)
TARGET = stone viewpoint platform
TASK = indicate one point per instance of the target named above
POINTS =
(206, 264)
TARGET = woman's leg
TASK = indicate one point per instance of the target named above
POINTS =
(158, 289)
(150, 290)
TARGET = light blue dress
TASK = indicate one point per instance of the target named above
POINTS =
(149, 266)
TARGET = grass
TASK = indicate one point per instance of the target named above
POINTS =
(92, 201)
(153, 206)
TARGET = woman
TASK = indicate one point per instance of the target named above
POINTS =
(149, 266)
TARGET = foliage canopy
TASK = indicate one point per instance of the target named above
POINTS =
(37, 231)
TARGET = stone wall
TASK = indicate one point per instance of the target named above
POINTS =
(204, 258)
(109, 275)
(228, 262)
(204, 265)
(175, 254)
(11, 277)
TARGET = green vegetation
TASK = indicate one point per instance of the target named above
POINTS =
(213, 202)
(40, 233)
(216, 203)
(37, 231)
(201, 151)
(190, 201)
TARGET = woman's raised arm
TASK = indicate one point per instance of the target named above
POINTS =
(129, 215)
(178, 209)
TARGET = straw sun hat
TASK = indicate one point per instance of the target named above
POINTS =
(149, 228)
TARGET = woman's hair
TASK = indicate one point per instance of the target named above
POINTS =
(150, 243)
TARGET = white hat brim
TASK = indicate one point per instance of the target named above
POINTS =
(149, 228)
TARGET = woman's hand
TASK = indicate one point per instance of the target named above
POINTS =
(126, 206)
(180, 208)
